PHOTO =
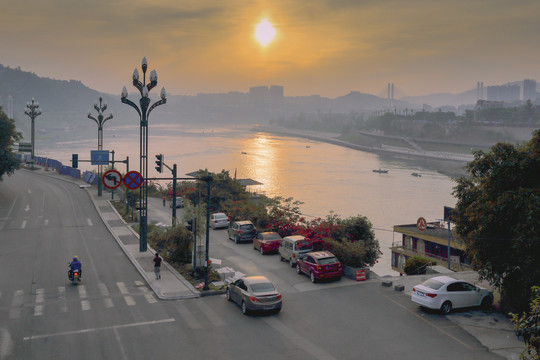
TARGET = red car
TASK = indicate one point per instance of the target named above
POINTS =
(267, 242)
(319, 265)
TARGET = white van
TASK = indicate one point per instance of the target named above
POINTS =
(292, 247)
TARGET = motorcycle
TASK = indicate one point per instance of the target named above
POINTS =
(74, 275)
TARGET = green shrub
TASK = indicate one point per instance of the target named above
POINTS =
(174, 244)
(416, 265)
(353, 254)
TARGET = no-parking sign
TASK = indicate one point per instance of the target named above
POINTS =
(112, 179)
(133, 180)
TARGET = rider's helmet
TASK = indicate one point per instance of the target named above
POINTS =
(75, 258)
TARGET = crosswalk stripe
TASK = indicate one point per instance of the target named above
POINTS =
(210, 314)
(23, 225)
(62, 297)
(40, 297)
(89, 222)
(16, 303)
(82, 291)
(46, 222)
(123, 289)
(149, 296)
(105, 293)
(85, 305)
(188, 317)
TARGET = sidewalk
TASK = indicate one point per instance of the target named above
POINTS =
(171, 286)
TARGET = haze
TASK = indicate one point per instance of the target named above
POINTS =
(325, 47)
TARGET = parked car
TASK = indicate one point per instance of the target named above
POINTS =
(138, 204)
(292, 247)
(242, 231)
(267, 242)
(219, 220)
(179, 202)
(445, 293)
(254, 293)
(319, 265)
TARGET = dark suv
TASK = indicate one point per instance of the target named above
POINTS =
(242, 231)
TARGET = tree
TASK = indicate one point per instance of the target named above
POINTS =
(8, 135)
(498, 217)
(527, 326)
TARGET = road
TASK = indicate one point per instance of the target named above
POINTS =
(113, 315)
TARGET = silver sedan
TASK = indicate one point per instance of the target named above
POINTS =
(254, 293)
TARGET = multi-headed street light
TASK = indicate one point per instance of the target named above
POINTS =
(33, 111)
(100, 108)
(144, 112)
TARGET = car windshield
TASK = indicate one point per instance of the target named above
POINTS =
(328, 260)
(272, 237)
(262, 287)
(432, 284)
(303, 245)
(220, 216)
(246, 227)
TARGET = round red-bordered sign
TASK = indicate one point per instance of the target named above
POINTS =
(112, 179)
(133, 180)
(421, 224)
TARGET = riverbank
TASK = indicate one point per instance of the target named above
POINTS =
(451, 164)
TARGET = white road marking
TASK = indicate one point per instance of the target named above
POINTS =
(16, 303)
(27, 208)
(6, 343)
(188, 317)
(105, 293)
(23, 225)
(46, 222)
(147, 293)
(82, 291)
(211, 314)
(85, 331)
(29, 191)
(89, 222)
(123, 289)
(85, 305)
(108, 303)
(40, 298)
(62, 298)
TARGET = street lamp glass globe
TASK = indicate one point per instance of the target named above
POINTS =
(163, 94)
(124, 93)
(135, 74)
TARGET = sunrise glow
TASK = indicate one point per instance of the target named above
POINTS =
(264, 32)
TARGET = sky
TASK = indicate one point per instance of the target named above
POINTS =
(323, 47)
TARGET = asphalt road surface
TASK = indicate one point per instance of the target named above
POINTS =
(112, 313)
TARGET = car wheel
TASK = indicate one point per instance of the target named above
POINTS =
(281, 258)
(245, 310)
(298, 270)
(254, 248)
(291, 262)
(487, 301)
(228, 295)
(446, 307)
(312, 277)
(262, 251)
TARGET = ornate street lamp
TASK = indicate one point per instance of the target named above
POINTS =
(33, 111)
(144, 112)
(100, 121)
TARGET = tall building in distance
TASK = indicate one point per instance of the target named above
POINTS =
(506, 93)
(480, 90)
(529, 90)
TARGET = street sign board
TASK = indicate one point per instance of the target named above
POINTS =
(25, 147)
(133, 180)
(421, 224)
(99, 157)
(112, 179)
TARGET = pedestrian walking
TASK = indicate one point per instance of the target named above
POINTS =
(157, 266)
(164, 198)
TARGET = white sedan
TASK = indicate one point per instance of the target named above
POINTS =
(445, 293)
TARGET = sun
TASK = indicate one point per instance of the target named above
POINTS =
(264, 32)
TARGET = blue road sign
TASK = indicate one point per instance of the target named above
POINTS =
(99, 157)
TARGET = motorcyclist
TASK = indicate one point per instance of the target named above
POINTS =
(75, 265)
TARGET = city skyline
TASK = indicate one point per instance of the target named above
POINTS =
(328, 48)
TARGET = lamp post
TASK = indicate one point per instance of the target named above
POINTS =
(33, 111)
(144, 112)
(100, 121)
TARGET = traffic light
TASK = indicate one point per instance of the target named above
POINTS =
(74, 160)
(159, 163)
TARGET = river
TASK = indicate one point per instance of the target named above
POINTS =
(325, 177)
